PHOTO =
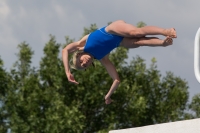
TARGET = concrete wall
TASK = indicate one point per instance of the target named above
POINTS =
(186, 126)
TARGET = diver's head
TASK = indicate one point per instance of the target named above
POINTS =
(81, 60)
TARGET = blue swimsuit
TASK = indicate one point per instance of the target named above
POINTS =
(100, 43)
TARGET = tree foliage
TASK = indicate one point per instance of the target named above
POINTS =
(195, 106)
(4, 82)
(141, 24)
(43, 101)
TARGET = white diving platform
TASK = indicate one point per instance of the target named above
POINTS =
(185, 126)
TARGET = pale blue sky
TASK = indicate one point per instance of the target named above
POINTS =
(33, 21)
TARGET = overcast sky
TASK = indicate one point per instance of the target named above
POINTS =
(33, 20)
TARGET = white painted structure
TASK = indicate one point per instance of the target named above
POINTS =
(186, 126)
(196, 55)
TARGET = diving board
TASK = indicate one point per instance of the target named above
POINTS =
(186, 126)
(196, 55)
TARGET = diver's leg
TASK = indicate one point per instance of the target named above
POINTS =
(146, 41)
(124, 29)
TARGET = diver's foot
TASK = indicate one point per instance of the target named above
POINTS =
(167, 41)
(171, 33)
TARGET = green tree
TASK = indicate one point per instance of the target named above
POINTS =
(35, 100)
(60, 114)
(195, 106)
(21, 96)
(141, 24)
(4, 81)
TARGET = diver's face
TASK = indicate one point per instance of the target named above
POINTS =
(84, 60)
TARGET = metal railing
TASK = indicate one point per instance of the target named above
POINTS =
(196, 55)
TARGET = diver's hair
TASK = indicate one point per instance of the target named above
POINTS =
(73, 61)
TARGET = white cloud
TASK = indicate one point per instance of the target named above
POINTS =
(4, 10)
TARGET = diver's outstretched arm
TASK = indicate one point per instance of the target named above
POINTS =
(113, 73)
(70, 48)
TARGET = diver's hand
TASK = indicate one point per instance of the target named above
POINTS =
(108, 100)
(71, 78)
